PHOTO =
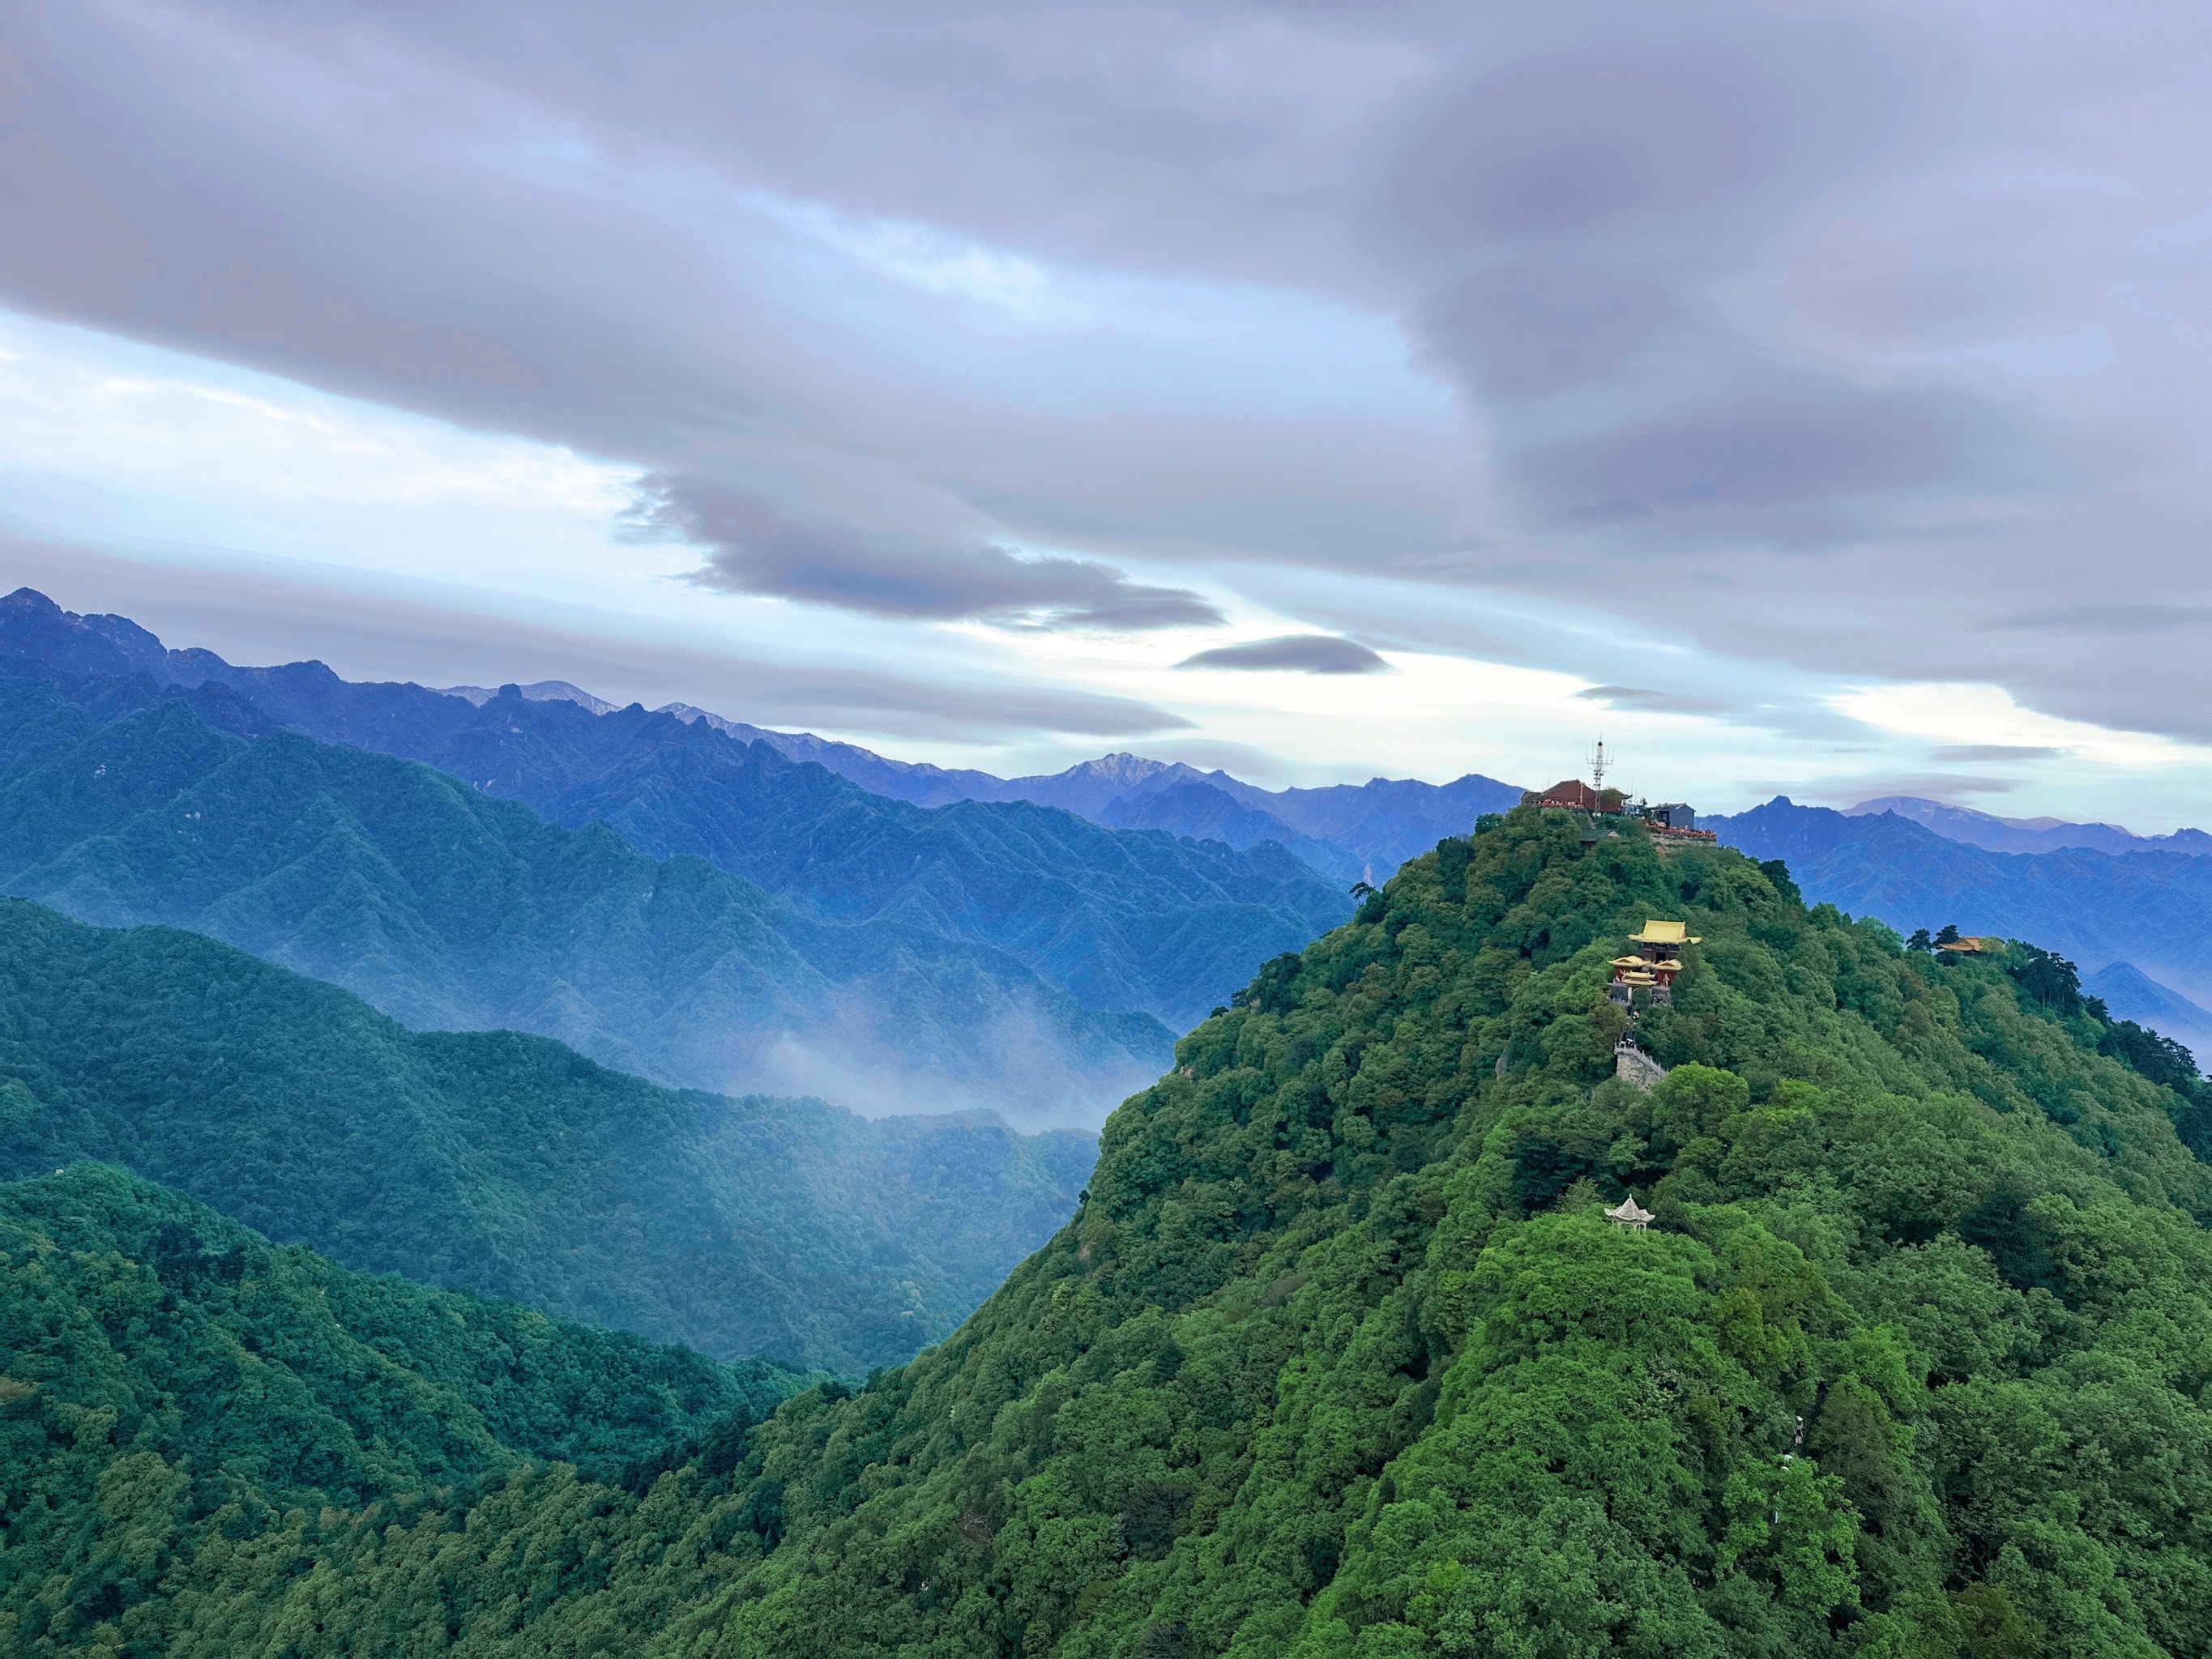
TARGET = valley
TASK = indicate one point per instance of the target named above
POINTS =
(1338, 1350)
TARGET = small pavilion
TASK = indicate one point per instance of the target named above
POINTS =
(1629, 1213)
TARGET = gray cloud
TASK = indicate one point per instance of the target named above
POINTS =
(1967, 754)
(2121, 621)
(1527, 329)
(1772, 457)
(1666, 702)
(1570, 140)
(753, 547)
(1306, 653)
(1749, 349)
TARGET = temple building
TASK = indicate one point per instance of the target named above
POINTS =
(1574, 795)
(1652, 970)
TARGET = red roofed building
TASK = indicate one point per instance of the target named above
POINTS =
(1578, 796)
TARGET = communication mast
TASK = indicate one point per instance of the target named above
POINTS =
(1599, 761)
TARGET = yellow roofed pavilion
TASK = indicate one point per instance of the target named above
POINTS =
(1664, 933)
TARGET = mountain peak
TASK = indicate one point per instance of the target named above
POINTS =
(537, 691)
(1122, 767)
(1994, 834)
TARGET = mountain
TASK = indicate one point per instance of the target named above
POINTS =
(1386, 820)
(2130, 994)
(1207, 813)
(1126, 922)
(449, 908)
(1119, 920)
(541, 691)
(273, 1369)
(2151, 909)
(1342, 830)
(508, 1164)
(1343, 1358)
(1998, 834)
(168, 1373)
(917, 783)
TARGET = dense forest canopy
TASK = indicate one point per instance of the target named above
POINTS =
(1341, 1359)
(508, 1164)
(168, 1370)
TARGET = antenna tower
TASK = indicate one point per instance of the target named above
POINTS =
(1599, 761)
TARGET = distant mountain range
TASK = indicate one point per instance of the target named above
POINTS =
(1136, 887)
(2136, 918)
(508, 1164)
(2133, 994)
(1345, 832)
(1997, 835)
(999, 953)
(449, 907)
(1348, 831)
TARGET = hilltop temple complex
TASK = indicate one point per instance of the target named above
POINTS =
(1668, 821)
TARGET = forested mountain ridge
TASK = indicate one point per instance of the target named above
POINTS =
(1127, 922)
(122, 1295)
(1341, 1359)
(1203, 809)
(505, 1163)
(2153, 908)
(166, 1369)
(450, 908)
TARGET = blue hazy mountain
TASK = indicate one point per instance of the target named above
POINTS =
(2130, 994)
(508, 1164)
(2152, 908)
(450, 907)
(1349, 830)
(1128, 922)
(2045, 835)
(1208, 812)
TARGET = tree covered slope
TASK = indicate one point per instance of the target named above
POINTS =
(1125, 921)
(168, 1372)
(506, 1163)
(449, 907)
(1341, 1359)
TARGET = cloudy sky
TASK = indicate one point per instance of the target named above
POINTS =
(1809, 398)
